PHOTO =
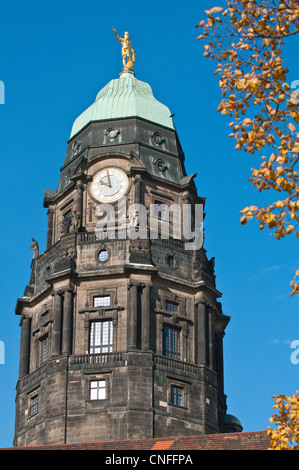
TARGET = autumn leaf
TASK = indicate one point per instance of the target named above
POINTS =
(246, 40)
(285, 435)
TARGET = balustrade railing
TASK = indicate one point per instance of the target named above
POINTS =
(121, 235)
(89, 359)
(103, 358)
(176, 364)
(97, 237)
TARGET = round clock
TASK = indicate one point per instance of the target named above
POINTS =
(109, 185)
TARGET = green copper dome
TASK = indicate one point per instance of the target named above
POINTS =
(125, 97)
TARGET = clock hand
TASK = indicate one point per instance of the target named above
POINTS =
(109, 180)
(102, 183)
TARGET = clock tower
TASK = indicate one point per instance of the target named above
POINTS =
(121, 327)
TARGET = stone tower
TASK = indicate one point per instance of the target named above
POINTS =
(121, 329)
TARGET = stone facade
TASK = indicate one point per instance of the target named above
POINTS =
(140, 291)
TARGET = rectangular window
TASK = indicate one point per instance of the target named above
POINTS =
(160, 210)
(34, 405)
(44, 350)
(101, 301)
(171, 306)
(101, 337)
(171, 342)
(66, 222)
(45, 317)
(97, 390)
(176, 395)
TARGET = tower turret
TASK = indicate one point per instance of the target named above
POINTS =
(121, 327)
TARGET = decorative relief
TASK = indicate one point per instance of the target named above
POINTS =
(68, 253)
(160, 165)
(76, 147)
(139, 251)
(101, 291)
(204, 269)
(157, 139)
(164, 297)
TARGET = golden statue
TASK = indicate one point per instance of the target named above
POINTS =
(127, 51)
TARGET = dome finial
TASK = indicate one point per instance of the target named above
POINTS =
(127, 51)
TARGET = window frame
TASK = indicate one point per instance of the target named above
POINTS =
(167, 343)
(176, 395)
(98, 389)
(96, 297)
(158, 211)
(33, 404)
(172, 384)
(174, 306)
(44, 353)
(94, 324)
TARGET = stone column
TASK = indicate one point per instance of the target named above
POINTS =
(25, 346)
(79, 205)
(145, 317)
(56, 335)
(184, 353)
(211, 339)
(219, 358)
(137, 184)
(132, 317)
(200, 335)
(67, 331)
(50, 214)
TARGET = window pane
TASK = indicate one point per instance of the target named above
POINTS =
(103, 255)
(101, 394)
(170, 261)
(171, 342)
(101, 337)
(171, 306)
(93, 394)
(176, 395)
(34, 405)
(159, 209)
(44, 350)
(97, 390)
(103, 300)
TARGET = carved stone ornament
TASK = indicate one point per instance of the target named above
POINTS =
(76, 146)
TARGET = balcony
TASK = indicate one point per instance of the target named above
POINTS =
(96, 361)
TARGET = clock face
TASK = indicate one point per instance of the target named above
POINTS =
(109, 185)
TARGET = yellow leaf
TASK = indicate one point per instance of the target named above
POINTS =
(291, 127)
(215, 10)
(289, 229)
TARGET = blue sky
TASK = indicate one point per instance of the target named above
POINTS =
(54, 58)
